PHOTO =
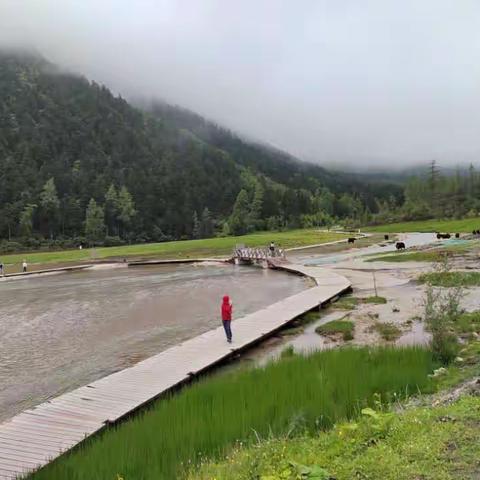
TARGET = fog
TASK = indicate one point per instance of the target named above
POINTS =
(375, 82)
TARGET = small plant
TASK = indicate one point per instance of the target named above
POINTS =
(374, 299)
(388, 331)
(468, 322)
(441, 311)
(288, 352)
(345, 328)
(346, 303)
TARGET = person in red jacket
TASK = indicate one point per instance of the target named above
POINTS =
(227, 309)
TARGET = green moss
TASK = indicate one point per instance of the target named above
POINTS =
(344, 327)
(346, 303)
(374, 299)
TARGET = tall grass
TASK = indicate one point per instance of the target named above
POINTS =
(292, 395)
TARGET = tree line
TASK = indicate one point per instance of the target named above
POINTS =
(79, 165)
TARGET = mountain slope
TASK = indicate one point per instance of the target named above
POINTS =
(65, 140)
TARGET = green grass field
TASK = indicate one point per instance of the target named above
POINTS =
(179, 249)
(438, 443)
(451, 226)
(451, 279)
(425, 442)
(293, 396)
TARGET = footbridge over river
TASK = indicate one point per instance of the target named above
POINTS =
(37, 436)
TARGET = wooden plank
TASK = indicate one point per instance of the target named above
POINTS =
(44, 432)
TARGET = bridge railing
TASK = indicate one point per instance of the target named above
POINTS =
(247, 253)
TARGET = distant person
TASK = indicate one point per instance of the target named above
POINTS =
(272, 249)
(24, 266)
(1, 267)
(227, 309)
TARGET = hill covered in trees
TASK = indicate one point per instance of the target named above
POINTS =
(80, 164)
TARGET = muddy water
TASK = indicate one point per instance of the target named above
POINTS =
(63, 331)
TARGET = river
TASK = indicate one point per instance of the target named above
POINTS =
(62, 331)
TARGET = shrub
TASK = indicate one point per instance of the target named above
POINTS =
(388, 331)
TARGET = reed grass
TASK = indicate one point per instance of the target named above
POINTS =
(295, 395)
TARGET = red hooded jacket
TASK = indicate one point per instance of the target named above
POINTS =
(226, 309)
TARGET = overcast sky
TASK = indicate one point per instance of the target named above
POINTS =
(383, 82)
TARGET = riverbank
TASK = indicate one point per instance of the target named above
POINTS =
(185, 249)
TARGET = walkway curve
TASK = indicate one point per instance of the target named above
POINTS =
(33, 438)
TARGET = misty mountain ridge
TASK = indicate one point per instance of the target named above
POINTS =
(67, 142)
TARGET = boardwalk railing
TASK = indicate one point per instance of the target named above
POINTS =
(257, 254)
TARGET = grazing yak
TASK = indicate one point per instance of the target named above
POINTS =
(386, 237)
(351, 240)
(443, 235)
(400, 245)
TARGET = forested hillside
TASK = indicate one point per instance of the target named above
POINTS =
(79, 164)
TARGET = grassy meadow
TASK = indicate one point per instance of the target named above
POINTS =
(295, 396)
(439, 443)
(452, 226)
(413, 441)
(208, 247)
(451, 279)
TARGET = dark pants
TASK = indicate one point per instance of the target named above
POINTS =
(228, 330)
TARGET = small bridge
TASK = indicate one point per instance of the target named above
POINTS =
(262, 256)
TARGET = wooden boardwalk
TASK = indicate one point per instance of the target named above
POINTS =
(33, 438)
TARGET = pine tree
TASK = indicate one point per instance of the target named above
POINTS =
(94, 222)
(238, 221)
(196, 226)
(206, 224)
(257, 204)
(126, 208)
(50, 206)
(111, 209)
(26, 220)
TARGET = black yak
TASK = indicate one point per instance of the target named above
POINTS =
(400, 245)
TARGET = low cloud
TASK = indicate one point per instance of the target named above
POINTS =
(378, 82)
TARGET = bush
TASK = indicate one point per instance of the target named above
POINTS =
(113, 241)
(442, 310)
(445, 346)
(10, 247)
